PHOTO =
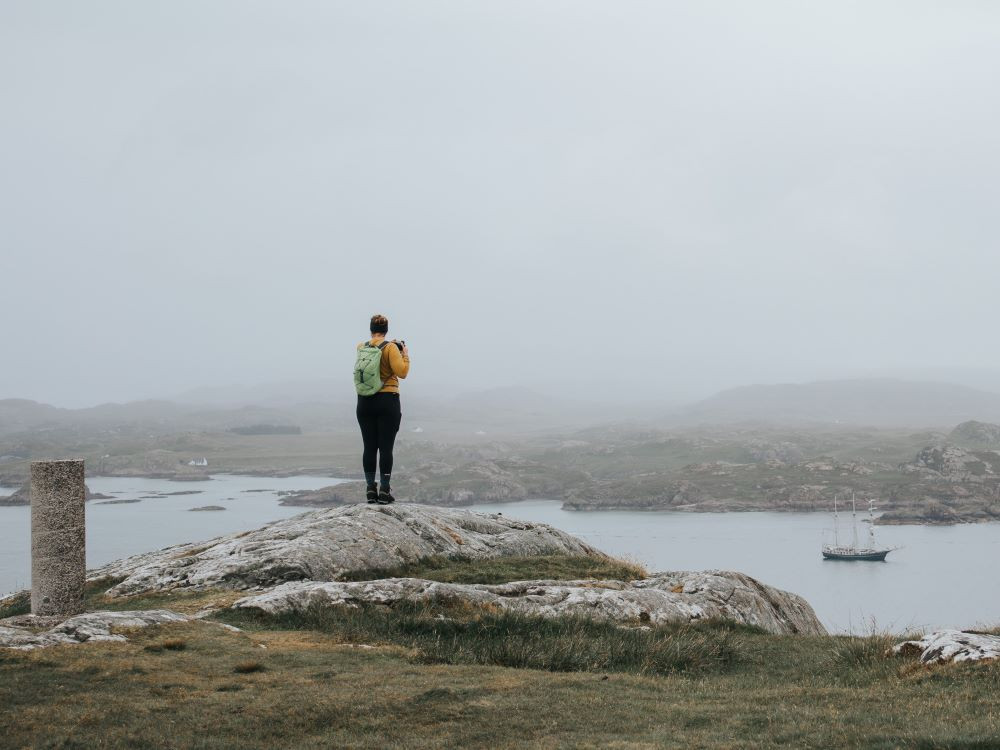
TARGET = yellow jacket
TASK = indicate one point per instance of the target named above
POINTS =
(393, 366)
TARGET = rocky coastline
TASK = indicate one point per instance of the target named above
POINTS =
(921, 478)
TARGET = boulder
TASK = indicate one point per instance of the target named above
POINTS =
(664, 597)
(325, 544)
(22, 633)
(943, 646)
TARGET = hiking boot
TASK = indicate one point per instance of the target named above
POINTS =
(384, 498)
(372, 493)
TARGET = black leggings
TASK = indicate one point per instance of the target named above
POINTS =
(379, 417)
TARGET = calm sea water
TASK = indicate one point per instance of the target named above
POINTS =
(942, 577)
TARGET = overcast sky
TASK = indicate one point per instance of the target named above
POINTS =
(609, 197)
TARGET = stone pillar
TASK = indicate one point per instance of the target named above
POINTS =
(58, 537)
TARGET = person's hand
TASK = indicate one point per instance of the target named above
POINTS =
(406, 351)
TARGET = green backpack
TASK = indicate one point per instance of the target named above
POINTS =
(367, 369)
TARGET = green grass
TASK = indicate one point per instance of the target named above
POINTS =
(504, 569)
(466, 635)
(180, 600)
(308, 689)
(453, 675)
(20, 603)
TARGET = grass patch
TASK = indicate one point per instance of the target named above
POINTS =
(20, 603)
(171, 644)
(851, 652)
(464, 635)
(248, 667)
(506, 569)
(442, 676)
(317, 692)
(184, 601)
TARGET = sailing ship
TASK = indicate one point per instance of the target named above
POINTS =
(837, 551)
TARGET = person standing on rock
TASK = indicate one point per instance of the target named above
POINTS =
(379, 366)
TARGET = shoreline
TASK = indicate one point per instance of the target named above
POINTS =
(289, 495)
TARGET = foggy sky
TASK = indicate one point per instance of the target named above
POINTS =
(203, 193)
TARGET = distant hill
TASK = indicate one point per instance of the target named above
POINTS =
(977, 433)
(21, 416)
(437, 408)
(879, 402)
(318, 406)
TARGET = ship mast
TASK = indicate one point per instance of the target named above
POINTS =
(836, 523)
(854, 522)
(871, 523)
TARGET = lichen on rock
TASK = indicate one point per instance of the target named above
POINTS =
(22, 633)
(662, 598)
(944, 646)
(324, 545)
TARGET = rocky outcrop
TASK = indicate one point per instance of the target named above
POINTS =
(326, 544)
(946, 484)
(783, 451)
(665, 597)
(955, 464)
(978, 433)
(347, 493)
(483, 481)
(24, 633)
(295, 563)
(943, 646)
(928, 511)
(437, 483)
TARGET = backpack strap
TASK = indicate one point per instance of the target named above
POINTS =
(382, 346)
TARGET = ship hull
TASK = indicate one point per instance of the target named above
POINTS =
(874, 555)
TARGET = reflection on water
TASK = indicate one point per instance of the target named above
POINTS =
(122, 529)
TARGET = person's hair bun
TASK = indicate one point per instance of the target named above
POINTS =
(380, 324)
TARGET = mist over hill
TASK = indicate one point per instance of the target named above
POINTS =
(314, 407)
(325, 406)
(925, 451)
(882, 402)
